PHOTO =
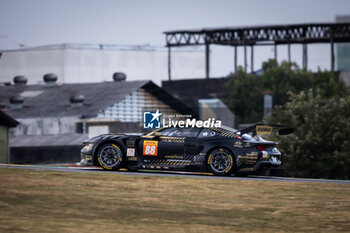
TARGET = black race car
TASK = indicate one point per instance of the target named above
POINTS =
(221, 151)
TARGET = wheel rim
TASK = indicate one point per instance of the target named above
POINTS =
(220, 161)
(110, 156)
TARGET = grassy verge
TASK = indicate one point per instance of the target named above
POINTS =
(49, 201)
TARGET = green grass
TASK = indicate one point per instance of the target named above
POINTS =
(49, 201)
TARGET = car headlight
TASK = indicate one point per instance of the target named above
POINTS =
(88, 147)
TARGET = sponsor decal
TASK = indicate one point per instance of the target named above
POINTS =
(174, 156)
(238, 144)
(265, 155)
(252, 153)
(263, 129)
(246, 169)
(247, 157)
(150, 148)
(172, 139)
(130, 152)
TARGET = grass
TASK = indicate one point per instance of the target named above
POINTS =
(50, 201)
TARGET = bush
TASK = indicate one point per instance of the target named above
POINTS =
(320, 145)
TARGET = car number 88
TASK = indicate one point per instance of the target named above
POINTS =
(150, 148)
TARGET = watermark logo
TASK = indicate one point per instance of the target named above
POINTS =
(211, 122)
(151, 120)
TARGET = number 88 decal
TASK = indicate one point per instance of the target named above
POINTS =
(150, 148)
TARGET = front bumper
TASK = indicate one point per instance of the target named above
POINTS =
(86, 156)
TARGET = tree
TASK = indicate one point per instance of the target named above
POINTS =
(247, 90)
(320, 145)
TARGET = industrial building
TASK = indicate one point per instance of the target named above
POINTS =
(84, 63)
(55, 118)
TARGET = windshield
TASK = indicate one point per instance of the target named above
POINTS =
(152, 133)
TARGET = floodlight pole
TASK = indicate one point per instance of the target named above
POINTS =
(332, 54)
(169, 63)
(207, 60)
(289, 58)
(252, 58)
(304, 56)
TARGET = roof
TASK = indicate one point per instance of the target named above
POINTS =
(48, 140)
(109, 47)
(44, 101)
(93, 47)
(251, 27)
(7, 120)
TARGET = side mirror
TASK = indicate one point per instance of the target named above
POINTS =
(157, 134)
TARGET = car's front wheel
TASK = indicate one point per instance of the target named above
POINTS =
(110, 156)
(220, 162)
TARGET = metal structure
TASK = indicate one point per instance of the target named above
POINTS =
(272, 35)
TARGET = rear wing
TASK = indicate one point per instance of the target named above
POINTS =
(263, 129)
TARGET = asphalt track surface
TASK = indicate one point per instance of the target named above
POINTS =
(73, 168)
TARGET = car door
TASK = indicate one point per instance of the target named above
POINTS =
(169, 144)
(191, 138)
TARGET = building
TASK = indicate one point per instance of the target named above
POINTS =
(343, 53)
(205, 96)
(6, 122)
(85, 63)
(46, 109)
(343, 49)
(55, 118)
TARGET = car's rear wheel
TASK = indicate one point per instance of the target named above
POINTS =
(220, 162)
(110, 156)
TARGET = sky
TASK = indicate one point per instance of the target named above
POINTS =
(135, 22)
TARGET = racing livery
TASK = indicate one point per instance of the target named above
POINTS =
(218, 150)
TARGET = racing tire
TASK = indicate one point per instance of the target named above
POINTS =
(221, 162)
(110, 157)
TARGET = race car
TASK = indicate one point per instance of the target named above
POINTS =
(219, 150)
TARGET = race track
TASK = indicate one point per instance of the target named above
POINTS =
(73, 168)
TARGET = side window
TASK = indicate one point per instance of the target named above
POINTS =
(168, 132)
(205, 133)
(189, 132)
(174, 133)
(180, 132)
